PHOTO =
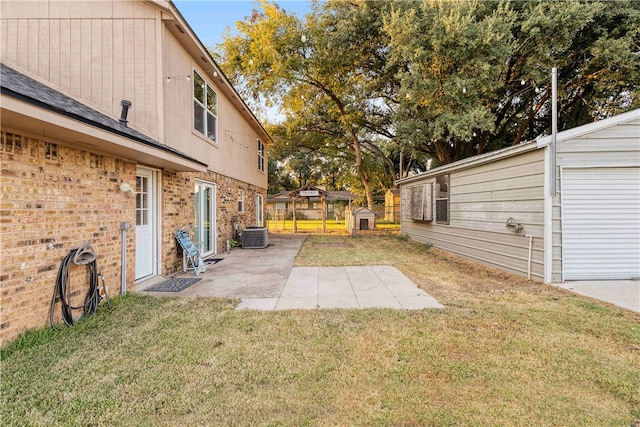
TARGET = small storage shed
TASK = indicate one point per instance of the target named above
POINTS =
(360, 218)
(392, 205)
(499, 208)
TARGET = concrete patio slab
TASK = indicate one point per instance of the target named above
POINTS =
(264, 279)
(337, 301)
(352, 287)
(302, 303)
(623, 293)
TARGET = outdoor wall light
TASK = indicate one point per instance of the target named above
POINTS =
(126, 188)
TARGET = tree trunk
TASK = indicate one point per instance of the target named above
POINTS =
(368, 192)
(357, 151)
(443, 152)
(532, 116)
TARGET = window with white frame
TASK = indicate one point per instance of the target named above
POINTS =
(442, 199)
(205, 108)
(260, 156)
(240, 201)
(259, 210)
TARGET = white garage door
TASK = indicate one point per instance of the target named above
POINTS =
(601, 223)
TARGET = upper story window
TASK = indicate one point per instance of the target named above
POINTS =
(205, 108)
(260, 156)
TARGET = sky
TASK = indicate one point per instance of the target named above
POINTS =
(210, 18)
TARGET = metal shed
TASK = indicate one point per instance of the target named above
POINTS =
(392, 205)
(499, 208)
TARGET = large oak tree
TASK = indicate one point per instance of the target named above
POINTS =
(378, 86)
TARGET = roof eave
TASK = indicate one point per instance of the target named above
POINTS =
(23, 116)
(473, 161)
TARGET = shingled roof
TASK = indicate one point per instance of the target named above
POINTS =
(24, 88)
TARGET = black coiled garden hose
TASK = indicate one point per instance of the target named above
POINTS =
(84, 255)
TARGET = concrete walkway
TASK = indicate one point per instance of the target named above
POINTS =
(623, 293)
(264, 279)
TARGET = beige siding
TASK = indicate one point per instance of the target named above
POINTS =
(236, 152)
(102, 52)
(613, 146)
(481, 200)
(99, 52)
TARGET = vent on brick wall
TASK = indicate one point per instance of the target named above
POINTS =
(255, 238)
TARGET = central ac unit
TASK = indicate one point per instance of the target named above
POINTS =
(255, 238)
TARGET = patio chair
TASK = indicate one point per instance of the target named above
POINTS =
(191, 257)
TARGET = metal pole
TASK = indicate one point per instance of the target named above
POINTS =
(124, 226)
(554, 128)
(354, 232)
(295, 225)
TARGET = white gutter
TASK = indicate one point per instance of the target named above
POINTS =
(548, 219)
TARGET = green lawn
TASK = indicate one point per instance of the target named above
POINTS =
(505, 351)
(315, 226)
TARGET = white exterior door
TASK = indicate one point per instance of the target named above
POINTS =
(145, 223)
(205, 223)
(601, 223)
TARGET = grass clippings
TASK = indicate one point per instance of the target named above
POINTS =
(505, 351)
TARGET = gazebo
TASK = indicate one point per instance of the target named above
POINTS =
(305, 193)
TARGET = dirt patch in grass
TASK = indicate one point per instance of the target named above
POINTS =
(333, 245)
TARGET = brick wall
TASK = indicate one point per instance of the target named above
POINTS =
(178, 208)
(178, 211)
(53, 199)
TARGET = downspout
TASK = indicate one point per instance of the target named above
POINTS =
(529, 260)
(548, 219)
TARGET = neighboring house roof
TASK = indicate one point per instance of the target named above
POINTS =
(341, 195)
(17, 85)
(525, 146)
